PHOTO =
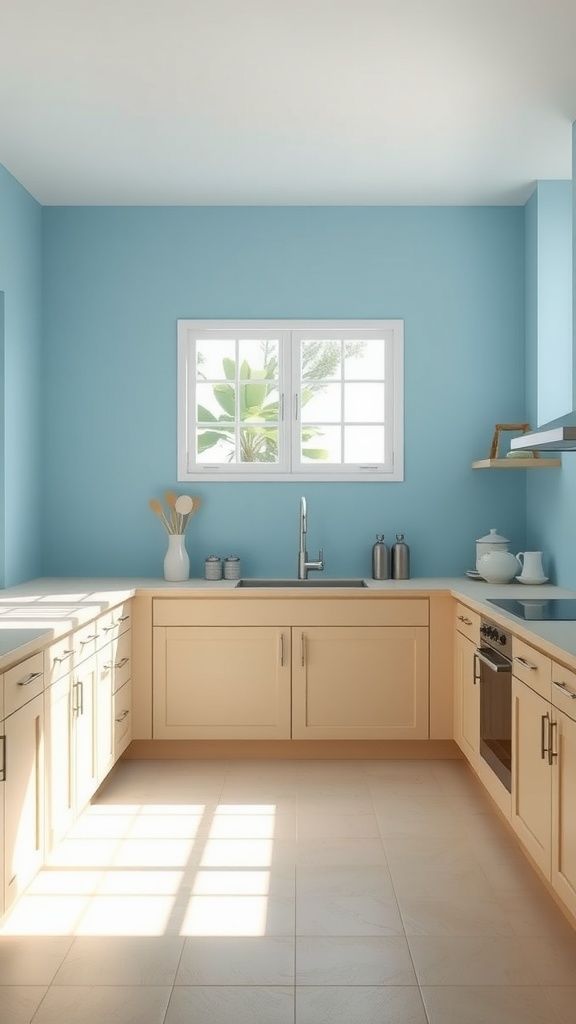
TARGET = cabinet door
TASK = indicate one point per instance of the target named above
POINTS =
(563, 816)
(360, 683)
(531, 772)
(84, 690)
(24, 797)
(105, 713)
(122, 718)
(221, 683)
(466, 699)
(59, 809)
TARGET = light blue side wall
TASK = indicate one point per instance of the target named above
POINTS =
(117, 279)
(21, 498)
(551, 496)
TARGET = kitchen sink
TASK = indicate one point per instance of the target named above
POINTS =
(305, 584)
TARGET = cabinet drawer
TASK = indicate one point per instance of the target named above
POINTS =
(87, 639)
(118, 620)
(58, 659)
(564, 690)
(23, 682)
(468, 623)
(122, 718)
(285, 611)
(532, 667)
(121, 659)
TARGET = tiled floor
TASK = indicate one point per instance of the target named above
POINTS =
(357, 892)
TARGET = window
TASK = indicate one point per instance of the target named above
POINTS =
(283, 400)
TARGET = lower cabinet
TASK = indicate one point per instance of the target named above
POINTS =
(466, 685)
(360, 683)
(215, 682)
(544, 778)
(84, 692)
(23, 797)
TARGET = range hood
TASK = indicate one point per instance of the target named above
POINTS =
(557, 436)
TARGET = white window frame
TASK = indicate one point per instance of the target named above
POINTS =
(288, 468)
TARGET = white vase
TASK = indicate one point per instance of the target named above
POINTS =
(176, 561)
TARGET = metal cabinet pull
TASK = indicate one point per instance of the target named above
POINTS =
(122, 715)
(476, 676)
(281, 648)
(30, 679)
(564, 689)
(64, 655)
(526, 664)
(302, 648)
(123, 618)
(552, 753)
(467, 622)
(545, 736)
(89, 639)
(78, 708)
(108, 666)
(3, 768)
(121, 663)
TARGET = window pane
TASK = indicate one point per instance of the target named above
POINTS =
(215, 446)
(320, 444)
(324, 404)
(210, 355)
(364, 444)
(364, 360)
(321, 360)
(259, 401)
(363, 403)
(259, 444)
(214, 402)
(261, 356)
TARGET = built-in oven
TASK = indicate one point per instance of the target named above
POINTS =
(493, 667)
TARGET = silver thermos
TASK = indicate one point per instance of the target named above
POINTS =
(380, 559)
(400, 559)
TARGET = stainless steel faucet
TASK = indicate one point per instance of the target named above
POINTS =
(303, 564)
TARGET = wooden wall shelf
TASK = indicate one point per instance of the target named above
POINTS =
(517, 464)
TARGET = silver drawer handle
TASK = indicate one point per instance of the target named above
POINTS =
(93, 636)
(526, 664)
(120, 664)
(122, 716)
(467, 622)
(30, 679)
(123, 618)
(564, 689)
(64, 655)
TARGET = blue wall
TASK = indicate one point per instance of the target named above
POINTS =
(117, 279)
(21, 499)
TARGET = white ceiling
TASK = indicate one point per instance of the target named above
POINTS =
(286, 101)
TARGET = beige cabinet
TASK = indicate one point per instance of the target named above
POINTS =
(84, 692)
(563, 871)
(467, 685)
(531, 774)
(217, 682)
(280, 667)
(360, 683)
(23, 785)
(59, 796)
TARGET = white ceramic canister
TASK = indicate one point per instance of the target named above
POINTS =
(498, 566)
(491, 542)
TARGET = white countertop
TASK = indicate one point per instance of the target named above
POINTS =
(33, 614)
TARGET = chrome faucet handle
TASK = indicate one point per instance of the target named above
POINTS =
(321, 555)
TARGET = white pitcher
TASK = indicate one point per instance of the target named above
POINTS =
(531, 562)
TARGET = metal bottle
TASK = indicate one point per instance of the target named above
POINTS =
(380, 559)
(400, 559)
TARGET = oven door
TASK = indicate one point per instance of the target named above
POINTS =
(495, 675)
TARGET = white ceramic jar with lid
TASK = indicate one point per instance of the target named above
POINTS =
(498, 566)
(491, 542)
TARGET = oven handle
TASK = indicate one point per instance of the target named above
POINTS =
(495, 666)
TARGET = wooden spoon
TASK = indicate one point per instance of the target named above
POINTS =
(159, 511)
(170, 499)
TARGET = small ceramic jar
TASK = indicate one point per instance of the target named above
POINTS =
(213, 568)
(491, 542)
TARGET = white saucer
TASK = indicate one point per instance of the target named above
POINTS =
(532, 583)
(473, 574)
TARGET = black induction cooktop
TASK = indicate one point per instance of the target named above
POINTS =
(554, 609)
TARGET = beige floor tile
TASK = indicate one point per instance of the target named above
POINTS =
(359, 1005)
(52, 915)
(469, 960)
(18, 1004)
(126, 915)
(435, 864)
(31, 960)
(230, 1004)
(321, 824)
(453, 913)
(311, 852)
(121, 961)
(532, 912)
(344, 880)
(552, 958)
(110, 1004)
(360, 960)
(66, 882)
(246, 853)
(347, 915)
(265, 960)
(563, 1002)
(468, 1004)
(238, 916)
(344, 803)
